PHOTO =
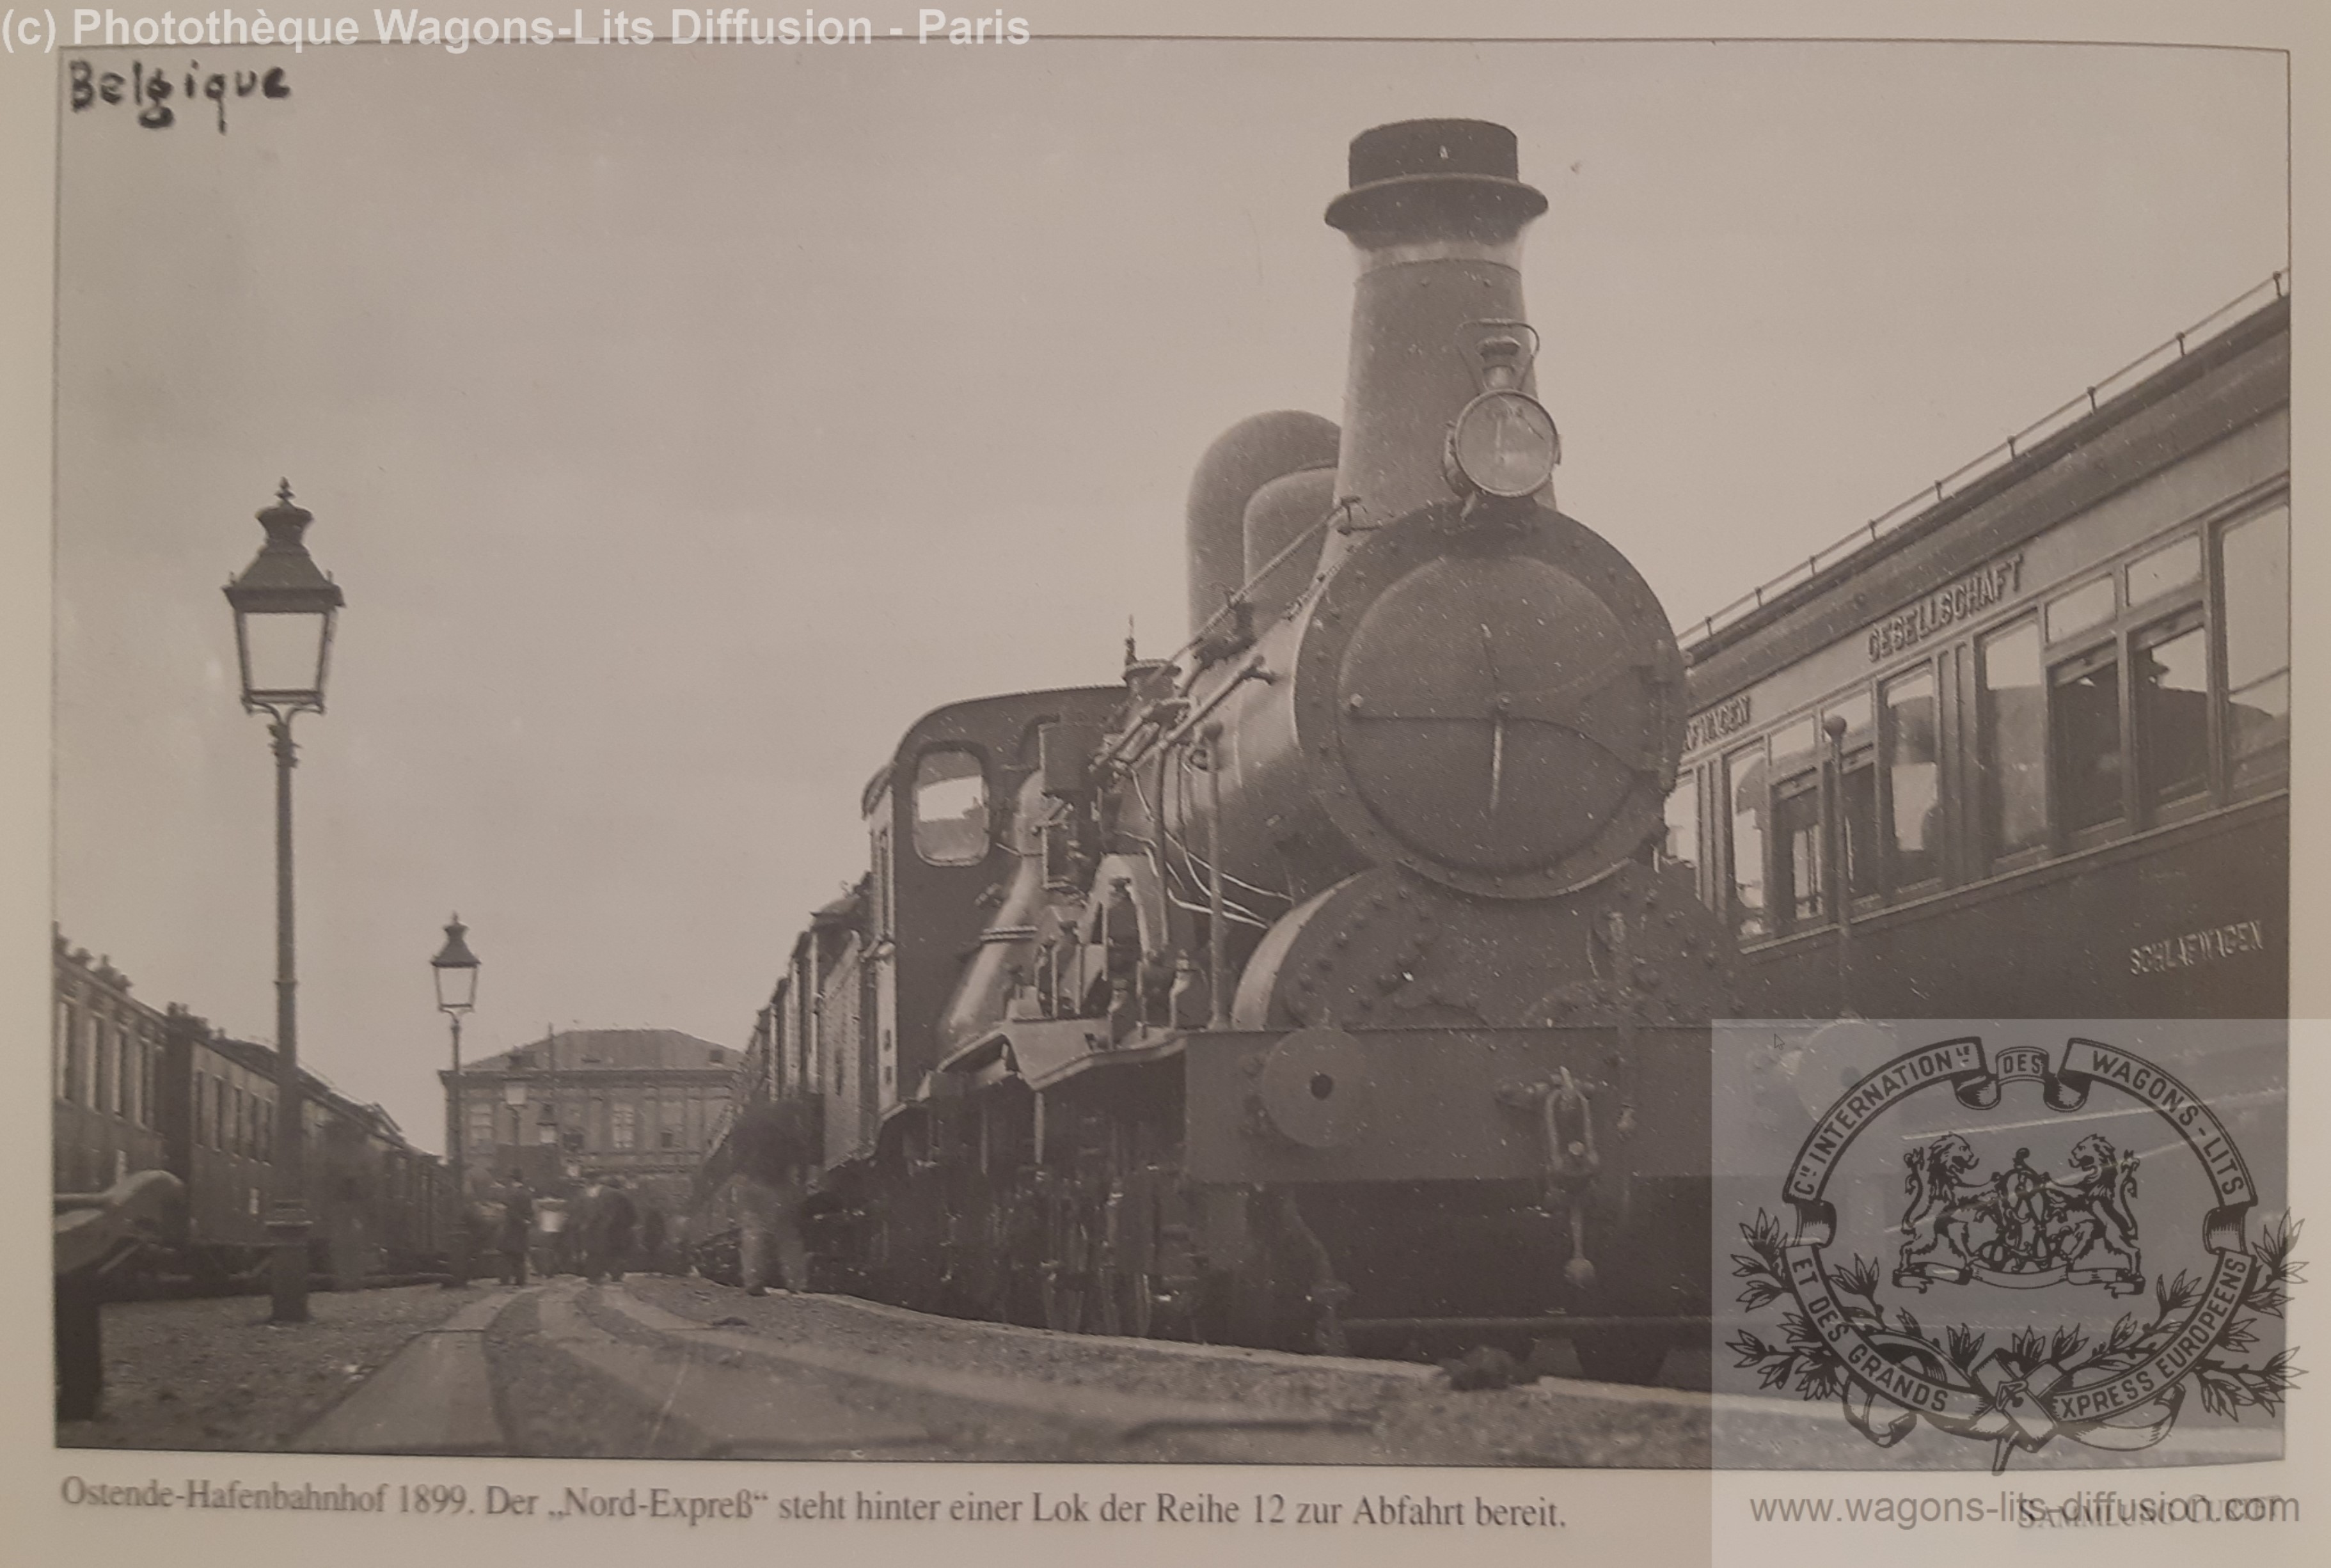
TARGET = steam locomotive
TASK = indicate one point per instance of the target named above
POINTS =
(1319, 987)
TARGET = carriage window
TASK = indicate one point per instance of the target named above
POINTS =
(2169, 668)
(950, 809)
(1744, 787)
(1908, 756)
(1857, 790)
(1680, 846)
(2170, 566)
(2083, 607)
(2084, 719)
(2014, 741)
(1857, 787)
(1797, 868)
(2255, 555)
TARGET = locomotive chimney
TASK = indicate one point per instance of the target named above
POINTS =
(1435, 214)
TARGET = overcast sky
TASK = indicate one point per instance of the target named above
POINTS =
(683, 422)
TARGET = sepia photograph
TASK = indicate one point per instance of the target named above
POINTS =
(906, 740)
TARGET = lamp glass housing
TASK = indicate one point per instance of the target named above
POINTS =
(285, 653)
(1504, 444)
(284, 608)
(455, 970)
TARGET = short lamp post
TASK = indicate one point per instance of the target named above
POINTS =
(284, 607)
(455, 970)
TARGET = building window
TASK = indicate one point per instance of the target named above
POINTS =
(61, 1050)
(103, 1075)
(2255, 558)
(480, 1119)
(669, 1132)
(950, 808)
(2084, 728)
(625, 1126)
(2169, 670)
(2014, 754)
(1744, 787)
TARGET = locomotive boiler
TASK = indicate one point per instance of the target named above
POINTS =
(1318, 985)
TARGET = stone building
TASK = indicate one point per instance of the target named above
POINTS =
(645, 1103)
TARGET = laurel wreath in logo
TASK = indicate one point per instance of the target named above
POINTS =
(1803, 1361)
(2118, 1391)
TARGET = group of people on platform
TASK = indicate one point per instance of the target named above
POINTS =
(603, 1230)
(600, 1231)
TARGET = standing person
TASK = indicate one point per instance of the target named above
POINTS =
(590, 1221)
(516, 1227)
(550, 1220)
(620, 1225)
(770, 1147)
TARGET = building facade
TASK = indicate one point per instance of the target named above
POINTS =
(642, 1103)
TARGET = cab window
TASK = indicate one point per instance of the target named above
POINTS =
(950, 808)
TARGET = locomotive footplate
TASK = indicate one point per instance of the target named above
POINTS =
(1559, 1106)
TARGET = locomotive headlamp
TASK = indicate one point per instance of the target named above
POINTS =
(1503, 444)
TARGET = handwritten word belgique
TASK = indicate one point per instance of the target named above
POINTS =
(150, 92)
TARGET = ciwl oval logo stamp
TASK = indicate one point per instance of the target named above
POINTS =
(1993, 1228)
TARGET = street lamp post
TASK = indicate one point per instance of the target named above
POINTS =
(455, 971)
(284, 607)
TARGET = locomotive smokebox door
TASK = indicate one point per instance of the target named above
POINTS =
(1315, 1086)
(1497, 707)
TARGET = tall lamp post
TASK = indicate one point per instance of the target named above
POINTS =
(284, 607)
(455, 970)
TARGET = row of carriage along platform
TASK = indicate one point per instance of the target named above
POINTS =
(1346, 980)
